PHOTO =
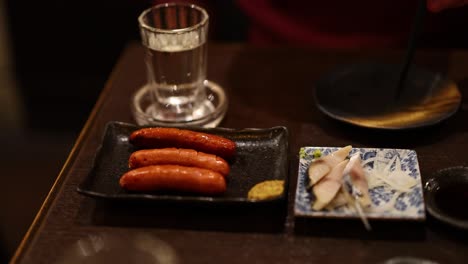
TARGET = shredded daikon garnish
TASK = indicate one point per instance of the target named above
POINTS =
(402, 186)
(377, 161)
(398, 179)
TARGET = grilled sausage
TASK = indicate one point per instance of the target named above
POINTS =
(174, 156)
(160, 137)
(174, 178)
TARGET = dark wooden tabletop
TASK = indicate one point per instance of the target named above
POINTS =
(266, 87)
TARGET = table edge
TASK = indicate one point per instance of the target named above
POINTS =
(41, 214)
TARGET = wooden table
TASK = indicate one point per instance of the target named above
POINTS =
(266, 87)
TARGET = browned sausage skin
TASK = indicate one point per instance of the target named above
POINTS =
(162, 137)
(174, 178)
(174, 156)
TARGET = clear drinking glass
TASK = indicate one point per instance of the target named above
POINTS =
(175, 37)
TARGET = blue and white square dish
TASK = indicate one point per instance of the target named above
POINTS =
(388, 201)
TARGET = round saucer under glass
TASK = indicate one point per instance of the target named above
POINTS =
(208, 114)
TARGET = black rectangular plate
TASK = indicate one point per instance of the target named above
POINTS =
(261, 154)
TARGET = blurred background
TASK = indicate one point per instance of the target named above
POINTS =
(55, 57)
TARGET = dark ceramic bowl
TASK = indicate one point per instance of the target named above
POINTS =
(446, 193)
(365, 95)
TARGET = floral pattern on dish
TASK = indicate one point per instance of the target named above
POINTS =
(387, 202)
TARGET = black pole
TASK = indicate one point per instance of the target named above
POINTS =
(416, 31)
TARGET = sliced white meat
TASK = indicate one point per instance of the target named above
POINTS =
(326, 189)
(323, 165)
